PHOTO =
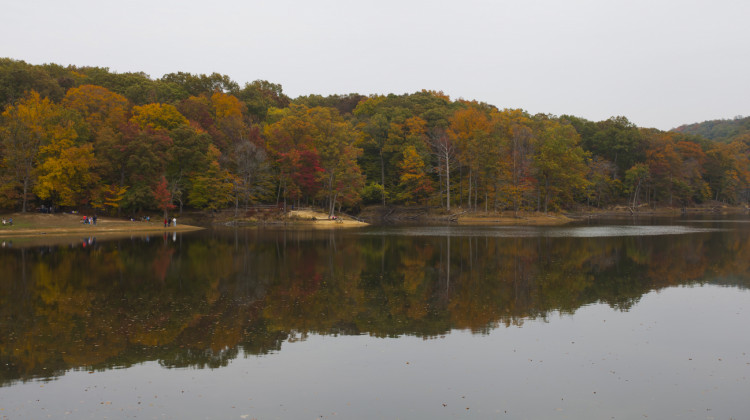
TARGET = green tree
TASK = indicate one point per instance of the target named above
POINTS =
(635, 178)
(560, 164)
(211, 189)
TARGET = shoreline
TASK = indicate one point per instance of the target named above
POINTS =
(37, 225)
(65, 224)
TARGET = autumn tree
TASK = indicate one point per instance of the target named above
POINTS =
(414, 184)
(287, 135)
(334, 140)
(211, 189)
(26, 126)
(99, 106)
(158, 116)
(560, 164)
(515, 130)
(228, 116)
(163, 196)
(470, 128)
(65, 175)
(107, 198)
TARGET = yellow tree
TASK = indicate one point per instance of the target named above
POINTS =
(25, 127)
(158, 116)
(99, 106)
(228, 116)
(107, 198)
(414, 184)
(65, 176)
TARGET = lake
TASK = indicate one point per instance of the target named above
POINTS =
(623, 319)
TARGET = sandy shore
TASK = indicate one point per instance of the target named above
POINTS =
(320, 220)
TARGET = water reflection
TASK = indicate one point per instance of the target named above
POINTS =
(200, 300)
(543, 231)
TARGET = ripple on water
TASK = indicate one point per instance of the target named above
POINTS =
(533, 231)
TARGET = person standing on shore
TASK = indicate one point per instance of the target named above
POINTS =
(174, 221)
(166, 222)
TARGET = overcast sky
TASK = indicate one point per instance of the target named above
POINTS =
(659, 63)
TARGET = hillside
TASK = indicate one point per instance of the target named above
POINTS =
(724, 131)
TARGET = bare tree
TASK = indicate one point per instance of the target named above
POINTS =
(445, 151)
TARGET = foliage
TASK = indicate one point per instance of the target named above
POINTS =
(724, 131)
(158, 116)
(163, 196)
(414, 184)
(90, 137)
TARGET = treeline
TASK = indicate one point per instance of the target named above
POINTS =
(85, 137)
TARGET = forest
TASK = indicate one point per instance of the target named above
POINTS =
(124, 143)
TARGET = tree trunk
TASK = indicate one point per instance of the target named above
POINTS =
(469, 201)
(635, 193)
(25, 192)
(448, 182)
(382, 174)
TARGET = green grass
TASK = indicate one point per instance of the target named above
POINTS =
(16, 225)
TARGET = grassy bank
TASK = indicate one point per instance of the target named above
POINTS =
(35, 224)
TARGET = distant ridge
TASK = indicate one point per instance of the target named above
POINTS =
(724, 131)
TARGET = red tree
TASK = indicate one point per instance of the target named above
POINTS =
(163, 196)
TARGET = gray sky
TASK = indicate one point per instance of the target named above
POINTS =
(659, 63)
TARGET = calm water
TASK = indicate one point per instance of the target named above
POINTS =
(628, 319)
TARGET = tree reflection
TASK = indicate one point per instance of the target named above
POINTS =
(199, 301)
